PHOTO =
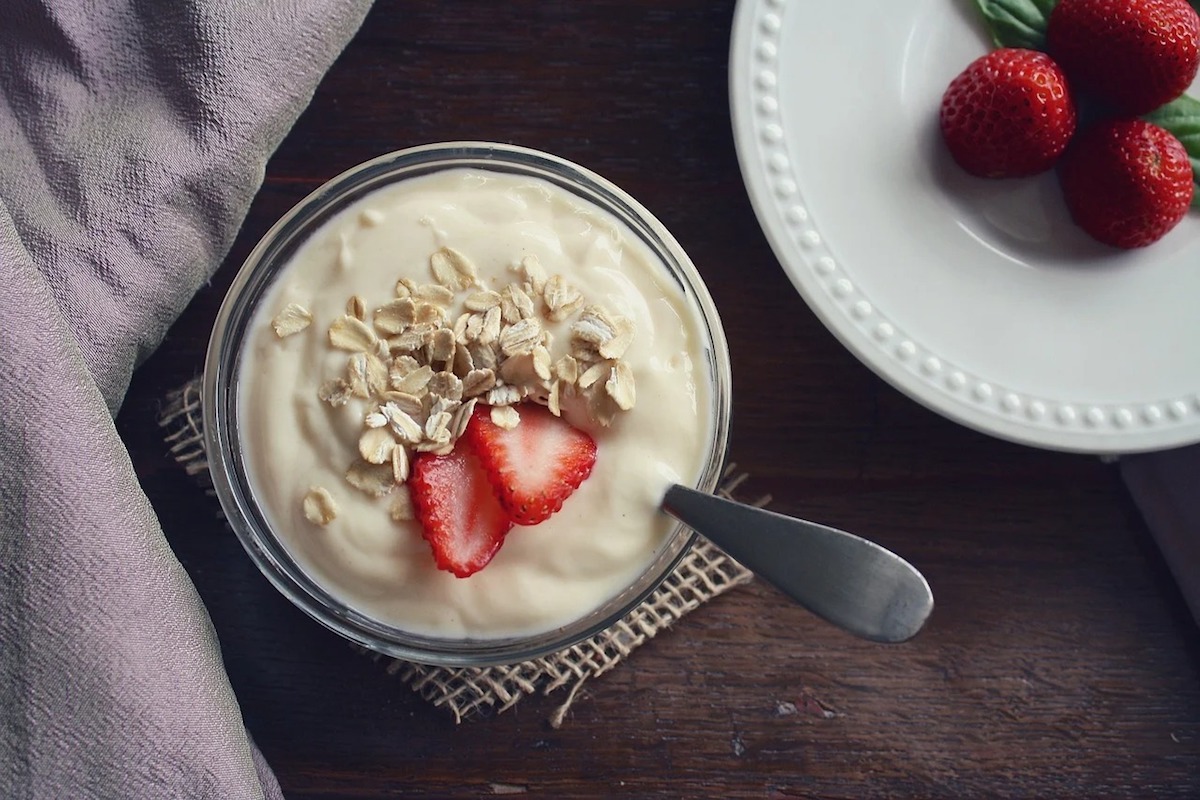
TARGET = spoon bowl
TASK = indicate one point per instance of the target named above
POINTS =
(845, 579)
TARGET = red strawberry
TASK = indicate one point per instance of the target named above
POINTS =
(458, 512)
(1133, 54)
(535, 466)
(1008, 114)
(1127, 182)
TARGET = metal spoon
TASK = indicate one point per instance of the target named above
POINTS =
(842, 578)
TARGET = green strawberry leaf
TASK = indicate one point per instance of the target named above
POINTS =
(1181, 117)
(1018, 23)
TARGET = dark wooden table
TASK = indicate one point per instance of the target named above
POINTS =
(1060, 660)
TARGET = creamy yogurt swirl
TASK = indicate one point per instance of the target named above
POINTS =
(607, 532)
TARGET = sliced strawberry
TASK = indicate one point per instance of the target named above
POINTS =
(457, 509)
(535, 466)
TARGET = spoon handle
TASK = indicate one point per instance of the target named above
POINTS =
(842, 578)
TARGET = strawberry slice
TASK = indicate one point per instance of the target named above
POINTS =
(457, 509)
(535, 466)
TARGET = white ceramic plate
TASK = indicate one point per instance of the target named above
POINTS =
(977, 298)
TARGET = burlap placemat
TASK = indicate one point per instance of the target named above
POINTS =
(702, 574)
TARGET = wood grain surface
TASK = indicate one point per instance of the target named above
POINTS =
(1060, 660)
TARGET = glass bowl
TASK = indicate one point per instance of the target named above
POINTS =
(227, 460)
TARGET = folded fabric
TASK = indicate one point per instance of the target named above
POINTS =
(1166, 487)
(133, 135)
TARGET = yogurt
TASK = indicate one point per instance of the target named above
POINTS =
(294, 442)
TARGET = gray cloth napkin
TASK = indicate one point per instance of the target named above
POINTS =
(1166, 487)
(133, 135)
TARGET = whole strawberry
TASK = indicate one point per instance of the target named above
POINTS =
(1135, 55)
(1127, 182)
(1008, 114)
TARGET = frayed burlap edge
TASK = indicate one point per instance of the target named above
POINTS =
(702, 574)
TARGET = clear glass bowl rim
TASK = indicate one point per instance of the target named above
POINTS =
(219, 397)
